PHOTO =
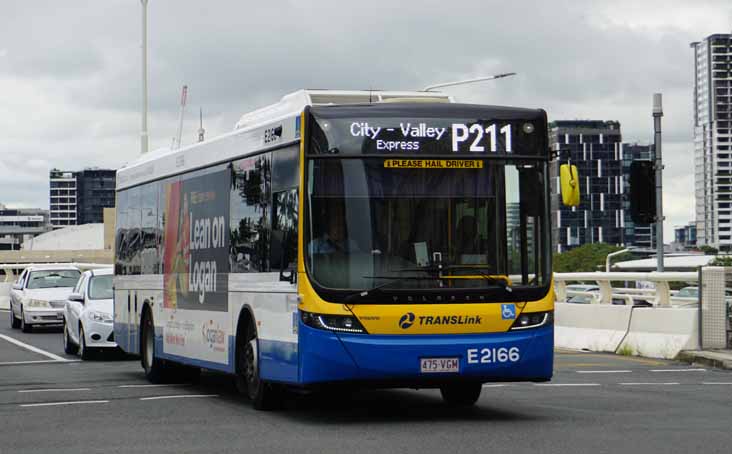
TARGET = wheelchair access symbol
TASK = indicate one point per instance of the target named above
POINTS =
(508, 311)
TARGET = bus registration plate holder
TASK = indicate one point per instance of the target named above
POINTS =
(439, 365)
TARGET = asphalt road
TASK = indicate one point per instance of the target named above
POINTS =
(596, 403)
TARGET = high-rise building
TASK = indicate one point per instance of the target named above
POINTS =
(80, 197)
(595, 148)
(62, 194)
(712, 140)
(685, 235)
(21, 224)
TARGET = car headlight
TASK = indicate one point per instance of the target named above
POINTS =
(339, 323)
(100, 316)
(38, 303)
(533, 320)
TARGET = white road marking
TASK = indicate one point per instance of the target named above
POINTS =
(180, 396)
(566, 384)
(43, 361)
(52, 390)
(152, 386)
(32, 348)
(603, 371)
(495, 385)
(50, 404)
(678, 370)
(716, 383)
(648, 383)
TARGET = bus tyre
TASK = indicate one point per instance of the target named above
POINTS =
(14, 322)
(264, 395)
(69, 347)
(155, 368)
(25, 327)
(461, 395)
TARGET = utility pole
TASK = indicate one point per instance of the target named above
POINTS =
(657, 114)
(201, 131)
(143, 133)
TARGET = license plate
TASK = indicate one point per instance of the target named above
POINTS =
(439, 365)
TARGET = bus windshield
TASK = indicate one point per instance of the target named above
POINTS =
(371, 224)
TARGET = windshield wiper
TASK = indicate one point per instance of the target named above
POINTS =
(393, 279)
(503, 283)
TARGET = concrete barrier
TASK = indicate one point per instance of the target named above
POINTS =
(595, 327)
(662, 332)
(5, 295)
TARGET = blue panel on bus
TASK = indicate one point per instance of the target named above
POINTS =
(278, 361)
(323, 358)
(517, 355)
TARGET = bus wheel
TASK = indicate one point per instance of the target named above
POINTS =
(154, 367)
(461, 395)
(264, 395)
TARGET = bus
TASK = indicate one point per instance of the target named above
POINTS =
(343, 238)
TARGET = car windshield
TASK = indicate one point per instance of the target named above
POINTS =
(53, 278)
(689, 292)
(100, 288)
(369, 224)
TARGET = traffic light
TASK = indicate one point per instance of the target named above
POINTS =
(643, 192)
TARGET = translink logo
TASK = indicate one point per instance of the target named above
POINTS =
(409, 318)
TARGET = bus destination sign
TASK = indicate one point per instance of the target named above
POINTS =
(407, 136)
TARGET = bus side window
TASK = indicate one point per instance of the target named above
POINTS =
(285, 178)
(250, 215)
(283, 249)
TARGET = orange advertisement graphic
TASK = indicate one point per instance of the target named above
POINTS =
(177, 250)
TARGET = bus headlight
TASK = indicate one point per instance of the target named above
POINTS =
(328, 322)
(533, 320)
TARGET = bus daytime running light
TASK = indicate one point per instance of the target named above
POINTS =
(339, 323)
(532, 320)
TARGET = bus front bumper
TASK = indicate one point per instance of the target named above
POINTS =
(325, 356)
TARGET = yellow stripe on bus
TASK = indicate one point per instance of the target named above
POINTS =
(433, 164)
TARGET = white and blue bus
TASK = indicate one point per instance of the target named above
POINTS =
(390, 239)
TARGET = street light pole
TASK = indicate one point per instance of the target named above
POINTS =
(143, 132)
(657, 114)
(467, 81)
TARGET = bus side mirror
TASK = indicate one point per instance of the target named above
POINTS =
(569, 183)
(642, 192)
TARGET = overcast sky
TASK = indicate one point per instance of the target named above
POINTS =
(70, 70)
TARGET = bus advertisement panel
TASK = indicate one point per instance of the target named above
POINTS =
(195, 267)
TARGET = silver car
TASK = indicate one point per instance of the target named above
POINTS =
(39, 294)
(89, 313)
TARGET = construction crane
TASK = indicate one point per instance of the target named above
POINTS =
(176, 140)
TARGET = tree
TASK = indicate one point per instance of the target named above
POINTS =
(708, 250)
(721, 260)
(588, 257)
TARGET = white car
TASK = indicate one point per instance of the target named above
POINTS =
(89, 313)
(39, 295)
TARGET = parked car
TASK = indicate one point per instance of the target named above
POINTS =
(688, 292)
(88, 314)
(39, 295)
(582, 299)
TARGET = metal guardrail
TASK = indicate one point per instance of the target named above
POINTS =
(661, 295)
